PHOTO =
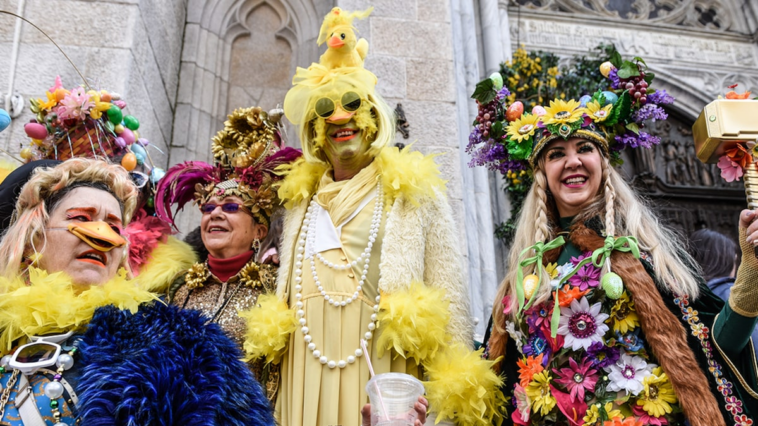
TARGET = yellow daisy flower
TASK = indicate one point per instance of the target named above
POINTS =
(539, 392)
(592, 416)
(561, 112)
(658, 395)
(49, 103)
(612, 414)
(598, 113)
(552, 270)
(523, 128)
(623, 314)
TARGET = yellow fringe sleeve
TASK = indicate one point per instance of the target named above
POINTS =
(50, 304)
(300, 181)
(463, 387)
(413, 322)
(269, 325)
(408, 173)
(167, 260)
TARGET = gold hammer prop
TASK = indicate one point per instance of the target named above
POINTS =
(722, 125)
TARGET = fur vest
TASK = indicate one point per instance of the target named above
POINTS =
(164, 366)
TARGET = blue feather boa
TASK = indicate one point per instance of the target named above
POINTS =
(164, 366)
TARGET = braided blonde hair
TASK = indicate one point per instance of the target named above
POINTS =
(31, 215)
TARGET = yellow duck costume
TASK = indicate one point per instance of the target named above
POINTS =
(373, 257)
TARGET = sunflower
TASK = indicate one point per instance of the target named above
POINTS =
(523, 128)
(623, 315)
(562, 112)
(658, 395)
(598, 114)
(539, 392)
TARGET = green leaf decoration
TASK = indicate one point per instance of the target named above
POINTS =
(616, 59)
(649, 76)
(599, 97)
(497, 130)
(616, 159)
(485, 91)
(638, 59)
(634, 127)
(519, 150)
(628, 69)
(620, 111)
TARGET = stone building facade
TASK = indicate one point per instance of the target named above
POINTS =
(183, 65)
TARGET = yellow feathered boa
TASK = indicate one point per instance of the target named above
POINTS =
(166, 261)
(405, 173)
(460, 386)
(49, 304)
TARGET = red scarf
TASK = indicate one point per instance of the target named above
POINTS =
(224, 269)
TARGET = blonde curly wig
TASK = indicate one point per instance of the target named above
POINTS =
(31, 215)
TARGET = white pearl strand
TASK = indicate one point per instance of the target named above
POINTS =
(308, 233)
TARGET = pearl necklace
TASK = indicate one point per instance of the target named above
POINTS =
(308, 234)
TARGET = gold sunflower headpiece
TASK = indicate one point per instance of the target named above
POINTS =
(246, 152)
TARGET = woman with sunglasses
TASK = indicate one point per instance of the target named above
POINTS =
(84, 344)
(238, 204)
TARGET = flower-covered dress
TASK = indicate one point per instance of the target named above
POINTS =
(597, 368)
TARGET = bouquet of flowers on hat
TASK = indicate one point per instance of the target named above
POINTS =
(504, 136)
(86, 123)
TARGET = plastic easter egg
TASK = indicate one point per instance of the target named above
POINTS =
(610, 97)
(5, 119)
(136, 134)
(119, 129)
(514, 111)
(137, 149)
(110, 127)
(497, 80)
(140, 159)
(26, 154)
(539, 111)
(613, 285)
(120, 104)
(129, 162)
(131, 122)
(530, 285)
(115, 115)
(128, 136)
(143, 141)
(115, 96)
(105, 96)
(156, 175)
(35, 130)
(37, 142)
(120, 142)
(584, 99)
(606, 68)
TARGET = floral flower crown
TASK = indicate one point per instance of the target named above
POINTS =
(92, 124)
(247, 152)
(511, 140)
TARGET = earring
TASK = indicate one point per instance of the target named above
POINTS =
(256, 244)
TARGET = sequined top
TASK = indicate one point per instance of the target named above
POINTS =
(220, 302)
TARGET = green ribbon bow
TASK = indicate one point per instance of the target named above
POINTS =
(622, 244)
(539, 250)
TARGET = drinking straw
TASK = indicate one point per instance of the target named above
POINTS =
(367, 357)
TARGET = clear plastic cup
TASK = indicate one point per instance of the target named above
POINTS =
(393, 396)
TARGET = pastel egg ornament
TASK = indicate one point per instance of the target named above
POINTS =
(35, 130)
(613, 285)
(497, 80)
(26, 154)
(610, 97)
(514, 111)
(115, 115)
(138, 150)
(129, 161)
(5, 119)
(584, 99)
(128, 136)
(606, 68)
(131, 122)
(531, 282)
(156, 175)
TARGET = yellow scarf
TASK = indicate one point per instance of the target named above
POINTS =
(341, 198)
(50, 304)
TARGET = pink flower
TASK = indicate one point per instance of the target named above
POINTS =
(734, 405)
(577, 377)
(646, 418)
(730, 171)
(75, 105)
(587, 276)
